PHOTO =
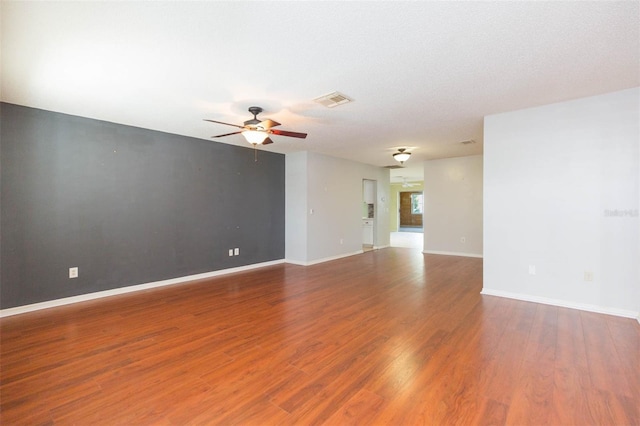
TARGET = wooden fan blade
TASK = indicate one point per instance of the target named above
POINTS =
(268, 123)
(287, 133)
(267, 141)
(226, 134)
(227, 124)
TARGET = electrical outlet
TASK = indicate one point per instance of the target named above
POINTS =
(532, 269)
(73, 272)
(588, 276)
(341, 241)
(236, 251)
(230, 252)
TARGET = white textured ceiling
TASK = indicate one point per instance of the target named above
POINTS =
(422, 74)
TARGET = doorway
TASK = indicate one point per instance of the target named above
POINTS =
(368, 214)
(410, 211)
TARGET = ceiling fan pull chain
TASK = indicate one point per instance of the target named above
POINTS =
(255, 152)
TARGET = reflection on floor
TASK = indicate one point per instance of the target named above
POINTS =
(410, 229)
(407, 239)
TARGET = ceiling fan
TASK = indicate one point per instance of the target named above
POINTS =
(257, 131)
(406, 184)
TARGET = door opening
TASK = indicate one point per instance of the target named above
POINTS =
(410, 211)
(368, 214)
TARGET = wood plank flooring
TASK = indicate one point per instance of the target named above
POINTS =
(391, 336)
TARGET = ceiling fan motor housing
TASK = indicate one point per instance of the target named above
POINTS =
(254, 121)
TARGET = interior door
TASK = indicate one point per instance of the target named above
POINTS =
(408, 215)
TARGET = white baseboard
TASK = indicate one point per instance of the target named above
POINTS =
(130, 289)
(563, 303)
(326, 259)
(452, 253)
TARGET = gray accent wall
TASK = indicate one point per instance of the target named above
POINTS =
(126, 205)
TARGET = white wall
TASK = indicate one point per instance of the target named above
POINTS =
(330, 224)
(453, 206)
(296, 206)
(553, 177)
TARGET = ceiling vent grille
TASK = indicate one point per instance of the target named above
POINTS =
(469, 142)
(395, 166)
(333, 99)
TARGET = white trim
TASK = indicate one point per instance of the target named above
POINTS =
(381, 247)
(326, 259)
(296, 262)
(452, 253)
(562, 303)
(129, 289)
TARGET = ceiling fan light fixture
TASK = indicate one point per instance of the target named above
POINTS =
(401, 155)
(255, 137)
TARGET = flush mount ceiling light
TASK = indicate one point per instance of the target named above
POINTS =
(401, 155)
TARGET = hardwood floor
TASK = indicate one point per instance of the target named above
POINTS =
(390, 336)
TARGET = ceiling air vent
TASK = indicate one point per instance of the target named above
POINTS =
(333, 99)
(469, 142)
(395, 166)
